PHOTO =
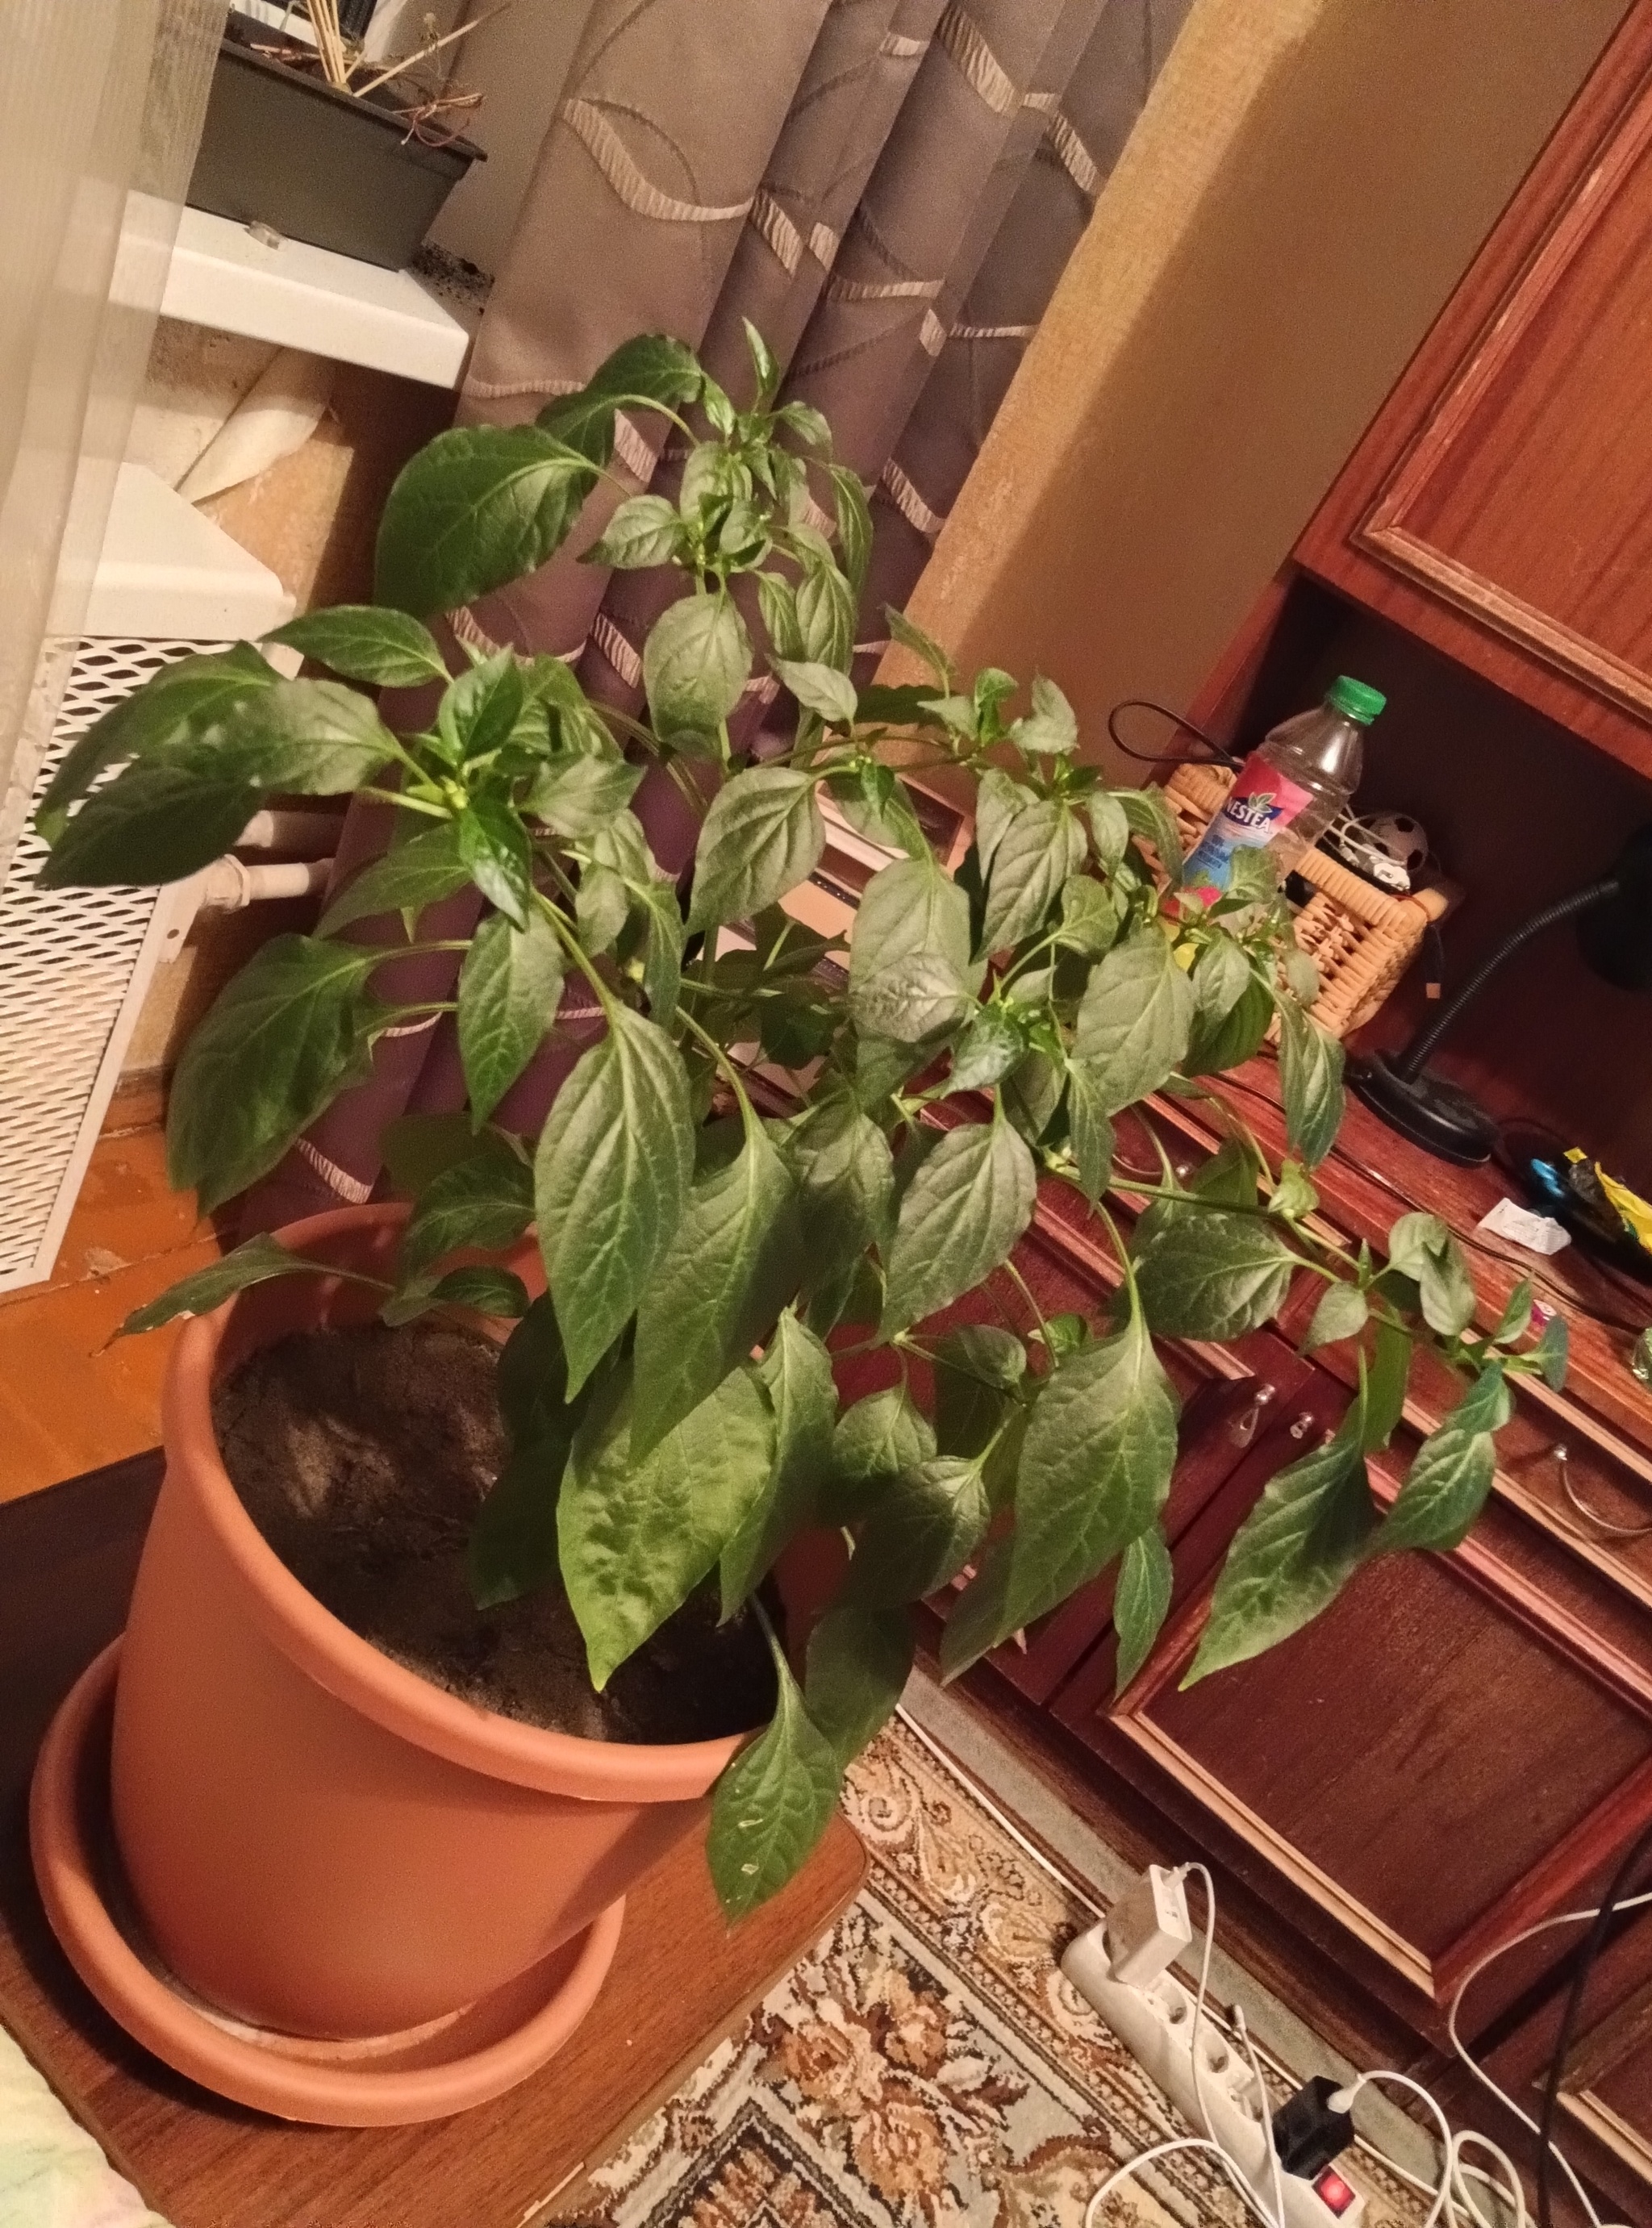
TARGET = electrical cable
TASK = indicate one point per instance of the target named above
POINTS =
(1274, 2170)
(1219, 753)
(1236, 2173)
(1141, 2159)
(1592, 1949)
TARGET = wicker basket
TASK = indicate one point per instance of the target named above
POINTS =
(1361, 940)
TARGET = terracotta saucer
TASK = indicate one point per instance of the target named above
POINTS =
(425, 2073)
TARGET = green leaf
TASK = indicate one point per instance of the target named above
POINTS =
(1141, 1602)
(694, 664)
(1090, 919)
(486, 1291)
(253, 1262)
(610, 1178)
(1133, 1021)
(1342, 1312)
(920, 1533)
(1553, 1351)
(1032, 1094)
(645, 531)
(1109, 828)
(1516, 1316)
(819, 688)
(1207, 1274)
(1221, 976)
(991, 1044)
(777, 601)
(911, 975)
(475, 508)
(874, 802)
(1310, 1077)
(494, 845)
(876, 1440)
(484, 1200)
(773, 1804)
(418, 873)
(637, 1538)
(1149, 816)
(1446, 1486)
(859, 1662)
(153, 823)
(1293, 1553)
(733, 1263)
(854, 524)
(846, 1184)
(308, 738)
(1389, 1373)
(1031, 862)
(1089, 1131)
(978, 1372)
(1052, 728)
(826, 614)
(533, 1377)
(797, 1374)
(479, 711)
(911, 636)
(1421, 1247)
(1095, 1467)
(763, 835)
(276, 1046)
(763, 364)
(962, 1214)
(1293, 1196)
(904, 707)
(579, 792)
(512, 1547)
(509, 987)
(190, 694)
(1228, 1041)
(416, 1148)
(365, 642)
(652, 368)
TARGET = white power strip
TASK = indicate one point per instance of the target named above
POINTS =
(1155, 2023)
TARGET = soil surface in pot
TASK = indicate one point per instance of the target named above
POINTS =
(361, 1455)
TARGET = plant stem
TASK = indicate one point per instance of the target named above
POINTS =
(747, 1116)
(576, 951)
(407, 803)
(1026, 1292)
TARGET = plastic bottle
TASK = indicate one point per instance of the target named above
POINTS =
(1289, 790)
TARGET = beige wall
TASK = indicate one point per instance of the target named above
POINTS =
(1310, 180)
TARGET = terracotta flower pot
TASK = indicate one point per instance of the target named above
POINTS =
(317, 1840)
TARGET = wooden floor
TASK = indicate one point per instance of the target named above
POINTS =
(69, 1400)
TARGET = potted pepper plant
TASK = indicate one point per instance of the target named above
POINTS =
(679, 1257)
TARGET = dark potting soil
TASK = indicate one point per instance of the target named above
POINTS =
(361, 1455)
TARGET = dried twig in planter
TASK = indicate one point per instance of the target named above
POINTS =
(425, 52)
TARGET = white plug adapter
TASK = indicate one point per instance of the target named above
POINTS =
(1148, 1928)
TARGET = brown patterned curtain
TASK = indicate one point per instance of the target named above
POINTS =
(889, 190)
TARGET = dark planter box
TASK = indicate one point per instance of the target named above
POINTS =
(287, 150)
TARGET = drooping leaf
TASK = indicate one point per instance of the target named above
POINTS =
(1089, 1131)
(610, 1177)
(1389, 1373)
(859, 1662)
(1148, 814)
(1310, 1079)
(153, 823)
(512, 1546)
(651, 368)
(911, 636)
(694, 664)
(1553, 1351)
(277, 1044)
(1342, 1312)
(1141, 1602)
(494, 845)
(1032, 1094)
(366, 642)
(484, 1290)
(876, 1440)
(763, 835)
(1035, 854)
(1205, 1274)
(1109, 829)
(509, 987)
(1421, 1247)
(1293, 1553)
(978, 1370)
(773, 1804)
(637, 1538)
(1095, 1467)
(533, 1375)
(418, 873)
(645, 531)
(854, 524)
(1450, 1476)
(253, 1262)
(310, 738)
(1216, 1045)
(732, 1264)
(919, 1534)
(486, 1200)
(960, 1216)
(797, 1374)
(911, 975)
(478, 506)
(1133, 1021)
(1051, 729)
(820, 688)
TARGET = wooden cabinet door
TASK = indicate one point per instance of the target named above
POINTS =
(1447, 1753)
(1501, 504)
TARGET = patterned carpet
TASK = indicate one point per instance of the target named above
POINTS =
(926, 2066)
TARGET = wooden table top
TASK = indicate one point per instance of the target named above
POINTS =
(682, 1978)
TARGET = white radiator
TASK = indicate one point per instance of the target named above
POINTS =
(76, 965)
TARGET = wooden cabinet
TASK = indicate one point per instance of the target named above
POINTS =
(1499, 506)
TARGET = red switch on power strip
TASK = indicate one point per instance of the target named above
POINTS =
(1332, 2193)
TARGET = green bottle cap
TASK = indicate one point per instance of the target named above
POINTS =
(1354, 697)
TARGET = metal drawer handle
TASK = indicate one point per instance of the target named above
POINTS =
(1303, 1425)
(1603, 1524)
(1243, 1428)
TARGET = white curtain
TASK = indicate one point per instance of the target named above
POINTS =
(101, 109)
